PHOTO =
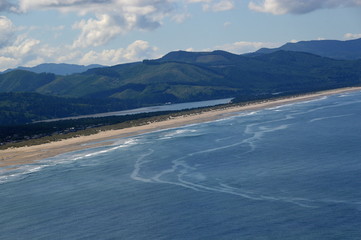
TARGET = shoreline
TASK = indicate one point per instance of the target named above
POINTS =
(11, 157)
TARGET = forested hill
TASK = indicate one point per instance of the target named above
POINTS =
(346, 50)
(178, 77)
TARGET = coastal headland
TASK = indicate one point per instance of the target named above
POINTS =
(12, 157)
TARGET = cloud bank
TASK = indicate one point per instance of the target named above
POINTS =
(279, 7)
(138, 50)
(96, 32)
(21, 49)
(110, 17)
(215, 6)
(349, 36)
(7, 30)
(220, 6)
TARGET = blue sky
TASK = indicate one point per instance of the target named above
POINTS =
(110, 32)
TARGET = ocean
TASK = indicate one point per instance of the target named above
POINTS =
(287, 172)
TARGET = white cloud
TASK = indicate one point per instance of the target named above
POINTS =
(104, 20)
(22, 47)
(30, 52)
(199, 1)
(220, 6)
(67, 57)
(139, 50)
(144, 12)
(14, 50)
(34, 62)
(19, 52)
(180, 17)
(7, 62)
(24, 50)
(112, 17)
(349, 36)
(279, 7)
(215, 6)
(245, 47)
(227, 24)
(7, 30)
(62, 5)
(96, 32)
(136, 51)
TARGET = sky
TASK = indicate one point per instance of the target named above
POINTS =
(111, 32)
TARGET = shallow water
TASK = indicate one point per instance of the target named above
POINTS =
(289, 172)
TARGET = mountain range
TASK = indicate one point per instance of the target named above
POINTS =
(346, 50)
(176, 77)
(57, 68)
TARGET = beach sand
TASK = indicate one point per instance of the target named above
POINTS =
(10, 158)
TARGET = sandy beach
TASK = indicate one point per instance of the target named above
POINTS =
(25, 155)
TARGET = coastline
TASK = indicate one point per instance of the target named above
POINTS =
(10, 158)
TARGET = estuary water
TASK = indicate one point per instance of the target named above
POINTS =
(288, 172)
(159, 108)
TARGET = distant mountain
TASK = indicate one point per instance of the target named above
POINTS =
(215, 57)
(346, 50)
(181, 77)
(57, 68)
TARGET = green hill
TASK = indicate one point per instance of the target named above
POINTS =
(24, 81)
(141, 80)
(178, 77)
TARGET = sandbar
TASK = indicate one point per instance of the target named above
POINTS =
(12, 157)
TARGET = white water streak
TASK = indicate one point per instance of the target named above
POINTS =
(330, 117)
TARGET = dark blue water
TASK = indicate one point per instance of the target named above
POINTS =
(290, 172)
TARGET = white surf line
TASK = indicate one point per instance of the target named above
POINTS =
(330, 117)
(247, 196)
(173, 170)
(179, 184)
(325, 200)
(138, 165)
(321, 108)
(23, 171)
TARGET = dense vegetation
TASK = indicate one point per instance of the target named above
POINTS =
(22, 107)
(15, 133)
